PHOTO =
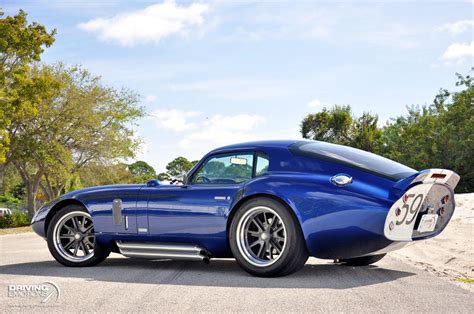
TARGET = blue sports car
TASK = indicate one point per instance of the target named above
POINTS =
(269, 204)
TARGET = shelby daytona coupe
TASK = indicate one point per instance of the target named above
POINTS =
(270, 205)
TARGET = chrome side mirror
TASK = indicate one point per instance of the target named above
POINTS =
(341, 179)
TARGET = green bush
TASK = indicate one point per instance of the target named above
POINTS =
(7, 198)
(15, 219)
(5, 221)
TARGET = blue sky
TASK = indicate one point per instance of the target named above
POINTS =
(220, 72)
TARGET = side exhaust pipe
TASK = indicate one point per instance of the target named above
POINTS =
(163, 251)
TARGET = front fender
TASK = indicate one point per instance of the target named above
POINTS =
(43, 216)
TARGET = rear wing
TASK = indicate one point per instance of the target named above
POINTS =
(442, 176)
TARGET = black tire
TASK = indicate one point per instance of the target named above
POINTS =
(362, 261)
(99, 252)
(294, 254)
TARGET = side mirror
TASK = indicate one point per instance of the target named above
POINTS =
(185, 179)
(153, 183)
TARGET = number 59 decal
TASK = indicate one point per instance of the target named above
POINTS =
(402, 215)
(411, 209)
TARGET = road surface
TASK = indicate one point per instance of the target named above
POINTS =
(126, 285)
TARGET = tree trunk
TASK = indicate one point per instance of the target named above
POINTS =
(31, 199)
(47, 191)
(32, 183)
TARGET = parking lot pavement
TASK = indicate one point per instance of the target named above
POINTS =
(123, 284)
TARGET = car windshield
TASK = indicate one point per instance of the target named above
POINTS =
(353, 157)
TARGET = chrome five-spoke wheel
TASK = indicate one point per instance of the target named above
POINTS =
(74, 237)
(261, 236)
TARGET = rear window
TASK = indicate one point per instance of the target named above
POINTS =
(352, 157)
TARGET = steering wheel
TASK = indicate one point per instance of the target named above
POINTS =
(203, 179)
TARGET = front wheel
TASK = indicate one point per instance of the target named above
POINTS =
(362, 261)
(71, 238)
(266, 239)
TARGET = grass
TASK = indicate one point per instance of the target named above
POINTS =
(465, 280)
(4, 231)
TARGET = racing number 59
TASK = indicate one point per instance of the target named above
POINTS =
(406, 208)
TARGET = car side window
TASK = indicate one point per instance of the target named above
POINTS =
(262, 164)
(225, 169)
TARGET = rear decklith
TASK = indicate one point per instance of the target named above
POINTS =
(425, 207)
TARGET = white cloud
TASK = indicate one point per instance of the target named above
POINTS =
(212, 130)
(458, 52)
(220, 130)
(174, 120)
(150, 98)
(458, 27)
(151, 24)
(315, 103)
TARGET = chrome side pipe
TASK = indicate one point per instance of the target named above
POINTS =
(163, 251)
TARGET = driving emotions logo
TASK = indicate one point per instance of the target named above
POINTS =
(47, 292)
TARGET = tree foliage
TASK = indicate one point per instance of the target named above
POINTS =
(78, 120)
(21, 44)
(142, 171)
(96, 173)
(179, 167)
(338, 125)
(437, 136)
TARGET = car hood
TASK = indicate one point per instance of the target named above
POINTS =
(102, 188)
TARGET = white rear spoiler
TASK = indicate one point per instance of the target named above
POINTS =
(442, 176)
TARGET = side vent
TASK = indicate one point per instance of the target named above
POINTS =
(117, 211)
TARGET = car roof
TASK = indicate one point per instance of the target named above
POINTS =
(257, 144)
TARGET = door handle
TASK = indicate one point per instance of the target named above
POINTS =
(341, 179)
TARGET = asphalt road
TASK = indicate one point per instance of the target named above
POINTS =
(131, 285)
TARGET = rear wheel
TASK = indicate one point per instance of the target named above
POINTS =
(362, 261)
(71, 238)
(266, 239)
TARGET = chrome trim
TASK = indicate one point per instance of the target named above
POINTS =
(163, 250)
(126, 222)
(162, 255)
(160, 247)
(117, 207)
(341, 179)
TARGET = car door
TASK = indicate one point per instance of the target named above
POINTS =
(200, 207)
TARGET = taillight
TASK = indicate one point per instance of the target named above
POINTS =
(445, 199)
